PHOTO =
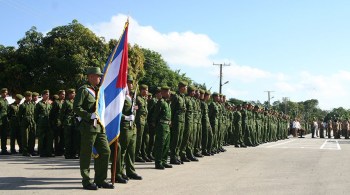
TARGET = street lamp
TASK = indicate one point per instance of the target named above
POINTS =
(222, 85)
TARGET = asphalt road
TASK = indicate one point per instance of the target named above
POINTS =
(291, 166)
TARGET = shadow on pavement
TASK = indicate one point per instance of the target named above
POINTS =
(24, 183)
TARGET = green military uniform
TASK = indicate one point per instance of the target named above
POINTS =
(162, 120)
(178, 110)
(71, 134)
(151, 129)
(92, 134)
(45, 134)
(140, 121)
(127, 139)
(15, 130)
(185, 149)
(214, 112)
(207, 134)
(56, 125)
(27, 124)
(238, 130)
(3, 122)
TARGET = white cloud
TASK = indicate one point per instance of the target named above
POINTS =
(331, 90)
(245, 73)
(177, 48)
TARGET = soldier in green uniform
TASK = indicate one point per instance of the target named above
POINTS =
(151, 128)
(162, 121)
(45, 134)
(71, 134)
(186, 145)
(140, 121)
(214, 112)
(92, 133)
(56, 123)
(15, 130)
(178, 109)
(238, 130)
(127, 138)
(27, 124)
(198, 135)
(207, 134)
(3, 121)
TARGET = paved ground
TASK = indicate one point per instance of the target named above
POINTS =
(292, 166)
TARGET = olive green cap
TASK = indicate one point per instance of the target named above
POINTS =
(201, 91)
(192, 88)
(130, 78)
(70, 90)
(55, 97)
(19, 96)
(45, 92)
(143, 86)
(3, 90)
(150, 94)
(61, 91)
(94, 70)
(172, 92)
(215, 94)
(27, 93)
(207, 93)
(35, 94)
(165, 87)
(183, 83)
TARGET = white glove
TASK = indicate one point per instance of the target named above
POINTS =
(93, 116)
(129, 118)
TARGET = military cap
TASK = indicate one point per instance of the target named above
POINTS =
(150, 94)
(3, 90)
(172, 92)
(215, 94)
(192, 88)
(94, 70)
(27, 93)
(55, 97)
(158, 89)
(19, 96)
(130, 78)
(165, 87)
(61, 91)
(45, 92)
(35, 94)
(207, 92)
(70, 90)
(201, 91)
(143, 86)
(183, 83)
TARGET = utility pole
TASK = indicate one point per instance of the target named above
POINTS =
(285, 101)
(221, 65)
(269, 96)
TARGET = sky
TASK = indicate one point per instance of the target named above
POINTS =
(298, 49)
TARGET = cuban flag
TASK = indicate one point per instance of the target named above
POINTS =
(111, 96)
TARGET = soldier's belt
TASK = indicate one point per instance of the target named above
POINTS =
(165, 122)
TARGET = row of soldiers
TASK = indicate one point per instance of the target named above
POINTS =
(188, 124)
(52, 122)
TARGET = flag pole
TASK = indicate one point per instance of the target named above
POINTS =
(114, 162)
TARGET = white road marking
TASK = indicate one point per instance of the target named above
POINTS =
(280, 144)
